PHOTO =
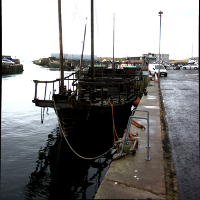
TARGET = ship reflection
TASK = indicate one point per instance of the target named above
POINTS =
(60, 174)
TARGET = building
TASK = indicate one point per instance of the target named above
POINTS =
(135, 60)
(4, 56)
(73, 56)
(146, 59)
(154, 58)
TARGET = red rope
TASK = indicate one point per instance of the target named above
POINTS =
(114, 129)
(137, 124)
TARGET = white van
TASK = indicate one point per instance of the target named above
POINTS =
(154, 68)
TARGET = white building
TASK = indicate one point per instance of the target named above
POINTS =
(74, 56)
(164, 57)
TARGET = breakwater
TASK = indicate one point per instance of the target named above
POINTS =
(12, 69)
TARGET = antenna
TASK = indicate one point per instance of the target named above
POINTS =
(192, 43)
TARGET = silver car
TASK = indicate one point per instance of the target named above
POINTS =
(7, 62)
(191, 66)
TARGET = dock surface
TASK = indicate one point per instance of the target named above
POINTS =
(133, 177)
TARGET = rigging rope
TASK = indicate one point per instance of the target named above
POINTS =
(70, 145)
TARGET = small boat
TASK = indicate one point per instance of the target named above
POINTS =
(192, 61)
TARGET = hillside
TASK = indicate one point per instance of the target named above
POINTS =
(184, 61)
(181, 61)
(108, 58)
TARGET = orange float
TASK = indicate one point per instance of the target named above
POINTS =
(136, 102)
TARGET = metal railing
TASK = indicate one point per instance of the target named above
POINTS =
(68, 78)
(128, 130)
(99, 80)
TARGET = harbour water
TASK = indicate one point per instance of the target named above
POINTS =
(29, 148)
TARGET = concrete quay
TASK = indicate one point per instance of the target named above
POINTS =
(133, 177)
(12, 69)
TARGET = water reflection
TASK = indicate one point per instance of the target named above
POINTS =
(60, 174)
(40, 179)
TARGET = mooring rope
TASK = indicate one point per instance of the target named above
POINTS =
(137, 124)
(114, 129)
(70, 145)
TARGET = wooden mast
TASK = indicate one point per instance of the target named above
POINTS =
(79, 73)
(92, 41)
(82, 49)
(61, 48)
(113, 44)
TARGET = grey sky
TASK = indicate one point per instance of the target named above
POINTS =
(30, 27)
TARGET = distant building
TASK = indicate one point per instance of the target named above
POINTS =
(146, 59)
(134, 60)
(154, 58)
(4, 56)
(73, 56)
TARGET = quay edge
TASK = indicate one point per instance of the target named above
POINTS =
(133, 177)
(12, 69)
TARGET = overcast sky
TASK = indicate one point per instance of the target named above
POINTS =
(30, 27)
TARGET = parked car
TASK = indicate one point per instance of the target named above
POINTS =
(154, 68)
(7, 62)
(191, 66)
(150, 68)
(163, 71)
(176, 67)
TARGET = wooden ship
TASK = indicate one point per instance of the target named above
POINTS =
(98, 97)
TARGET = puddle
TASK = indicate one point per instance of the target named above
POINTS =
(191, 74)
(157, 107)
(151, 97)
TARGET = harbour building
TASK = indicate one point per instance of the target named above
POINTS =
(73, 56)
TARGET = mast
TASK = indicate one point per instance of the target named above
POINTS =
(192, 43)
(79, 73)
(83, 47)
(92, 41)
(113, 44)
(61, 49)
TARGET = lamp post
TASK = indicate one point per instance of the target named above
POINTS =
(159, 14)
(113, 44)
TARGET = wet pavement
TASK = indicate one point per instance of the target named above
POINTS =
(180, 92)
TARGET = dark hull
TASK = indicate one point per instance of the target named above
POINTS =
(88, 123)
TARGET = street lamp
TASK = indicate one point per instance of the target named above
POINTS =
(159, 14)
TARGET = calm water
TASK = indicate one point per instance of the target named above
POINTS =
(29, 149)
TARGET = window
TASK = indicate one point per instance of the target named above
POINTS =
(161, 67)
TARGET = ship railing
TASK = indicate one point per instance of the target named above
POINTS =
(122, 76)
(70, 83)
